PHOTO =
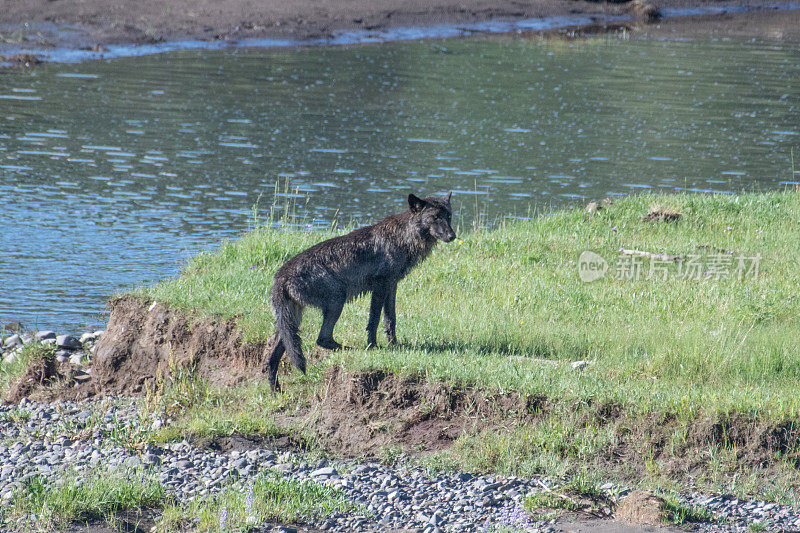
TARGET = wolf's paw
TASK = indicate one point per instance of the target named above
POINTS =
(330, 344)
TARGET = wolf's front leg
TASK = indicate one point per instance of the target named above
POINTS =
(379, 292)
(388, 314)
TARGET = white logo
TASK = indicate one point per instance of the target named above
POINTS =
(591, 266)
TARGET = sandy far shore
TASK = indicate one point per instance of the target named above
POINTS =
(95, 23)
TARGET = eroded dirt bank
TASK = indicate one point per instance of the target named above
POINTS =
(145, 340)
(364, 411)
(360, 413)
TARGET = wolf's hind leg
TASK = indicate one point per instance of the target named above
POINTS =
(274, 361)
(330, 314)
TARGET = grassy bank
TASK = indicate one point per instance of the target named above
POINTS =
(675, 346)
(504, 308)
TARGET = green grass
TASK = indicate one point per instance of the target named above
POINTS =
(267, 498)
(486, 309)
(553, 446)
(103, 496)
(205, 411)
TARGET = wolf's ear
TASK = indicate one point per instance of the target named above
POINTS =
(447, 197)
(416, 204)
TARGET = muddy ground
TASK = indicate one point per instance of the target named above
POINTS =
(92, 24)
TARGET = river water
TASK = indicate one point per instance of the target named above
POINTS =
(113, 172)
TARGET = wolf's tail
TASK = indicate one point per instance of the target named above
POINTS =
(288, 313)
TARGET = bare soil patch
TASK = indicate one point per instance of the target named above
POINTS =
(143, 343)
(641, 508)
(134, 522)
(609, 526)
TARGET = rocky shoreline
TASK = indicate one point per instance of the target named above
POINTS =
(75, 350)
(55, 439)
(63, 438)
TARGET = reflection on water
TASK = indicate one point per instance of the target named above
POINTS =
(112, 173)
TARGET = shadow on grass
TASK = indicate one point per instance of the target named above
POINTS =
(537, 350)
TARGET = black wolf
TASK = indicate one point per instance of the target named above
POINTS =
(333, 272)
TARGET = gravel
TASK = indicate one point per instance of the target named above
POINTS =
(74, 438)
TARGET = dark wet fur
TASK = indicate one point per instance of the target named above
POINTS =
(370, 259)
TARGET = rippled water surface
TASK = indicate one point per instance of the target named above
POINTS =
(113, 173)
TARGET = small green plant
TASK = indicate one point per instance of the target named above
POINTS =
(757, 526)
(128, 435)
(548, 500)
(17, 416)
(181, 389)
(438, 463)
(678, 513)
(391, 453)
(585, 484)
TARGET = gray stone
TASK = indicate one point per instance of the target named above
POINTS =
(76, 358)
(324, 472)
(13, 340)
(68, 341)
(96, 458)
(45, 334)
